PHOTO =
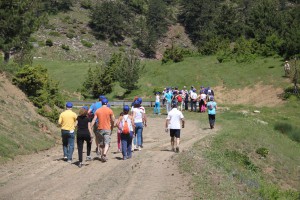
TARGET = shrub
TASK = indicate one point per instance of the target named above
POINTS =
(86, 43)
(86, 4)
(262, 151)
(54, 33)
(287, 129)
(70, 35)
(173, 54)
(65, 47)
(49, 43)
(242, 159)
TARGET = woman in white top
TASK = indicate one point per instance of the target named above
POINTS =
(157, 104)
(139, 122)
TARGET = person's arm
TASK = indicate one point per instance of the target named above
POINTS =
(91, 131)
(144, 119)
(60, 120)
(94, 120)
(112, 121)
(182, 122)
(167, 125)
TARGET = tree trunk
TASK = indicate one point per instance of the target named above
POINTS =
(6, 57)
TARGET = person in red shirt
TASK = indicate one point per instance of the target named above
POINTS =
(105, 127)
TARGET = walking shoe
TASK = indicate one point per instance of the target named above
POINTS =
(104, 159)
(177, 149)
(124, 158)
(80, 165)
(65, 158)
(88, 158)
(139, 148)
(69, 161)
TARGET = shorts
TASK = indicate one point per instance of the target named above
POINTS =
(175, 133)
(103, 137)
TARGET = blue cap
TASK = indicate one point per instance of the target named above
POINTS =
(136, 102)
(85, 107)
(101, 97)
(211, 98)
(104, 101)
(69, 105)
(126, 108)
(140, 100)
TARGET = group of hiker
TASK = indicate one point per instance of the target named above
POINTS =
(98, 121)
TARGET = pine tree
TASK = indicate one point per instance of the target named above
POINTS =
(18, 20)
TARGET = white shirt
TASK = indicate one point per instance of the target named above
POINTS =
(157, 98)
(193, 95)
(175, 117)
(203, 96)
(138, 115)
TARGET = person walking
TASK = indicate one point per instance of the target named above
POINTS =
(67, 121)
(119, 133)
(105, 127)
(174, 122)
(157, 104)
(186, 100)
(126, 126)
(92, 110)
(139, 123)
(84, 133)
(211, 108)
(287, 68)
(194, 100)
(168, 97)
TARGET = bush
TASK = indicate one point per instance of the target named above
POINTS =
(287, 129)
(65, 47)
(173, 54)
(290, 91)
(86, 43)
(54, 33)
(86, 4)
(70, 35)
(262, 151)
(49, 43)
(242, 159)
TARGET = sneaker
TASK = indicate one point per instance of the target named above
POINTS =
(177, 149)
(88, 158)
(80, 165)
(104, 159)
(65, 158)
(124, 157)
(139, 148)
(69, 161)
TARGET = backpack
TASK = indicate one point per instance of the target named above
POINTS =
(186, 96)
(179, 98)
(125, 128)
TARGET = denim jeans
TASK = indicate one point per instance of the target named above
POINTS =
(68, 143)
(126, 140)
(138, 134)
(157, 108)
(194, 106)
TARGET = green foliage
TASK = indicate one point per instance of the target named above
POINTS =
(40, 89)
(70, 35)
(49, 43)
(19, 19)
(138, 6)
(242, 159)
(86, 4)
(65, 47)
(54, 33)
(129, 71)
(174, 54)
(270, 191)
(86, 43)
(287, 129)
(245, 50)
(55, 6)
(262, 151)
(110, 20)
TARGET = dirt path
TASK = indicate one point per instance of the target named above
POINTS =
(150, 174)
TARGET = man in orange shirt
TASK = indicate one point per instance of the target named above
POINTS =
(106, 120)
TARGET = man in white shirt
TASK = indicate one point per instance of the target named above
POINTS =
(174, 122)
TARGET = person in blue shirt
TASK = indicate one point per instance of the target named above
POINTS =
(168, 97)
(211, 109)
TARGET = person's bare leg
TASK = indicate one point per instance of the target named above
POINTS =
(177, 144)
(172, 143)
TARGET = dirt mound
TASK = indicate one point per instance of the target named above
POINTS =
(258, 95)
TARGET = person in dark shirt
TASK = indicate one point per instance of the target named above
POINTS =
(84, 133)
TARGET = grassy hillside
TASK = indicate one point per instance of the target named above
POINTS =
(22, 130)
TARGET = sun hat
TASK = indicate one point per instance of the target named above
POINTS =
(126, 108)
(104, 101)
(85, 107)
(69, 105)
